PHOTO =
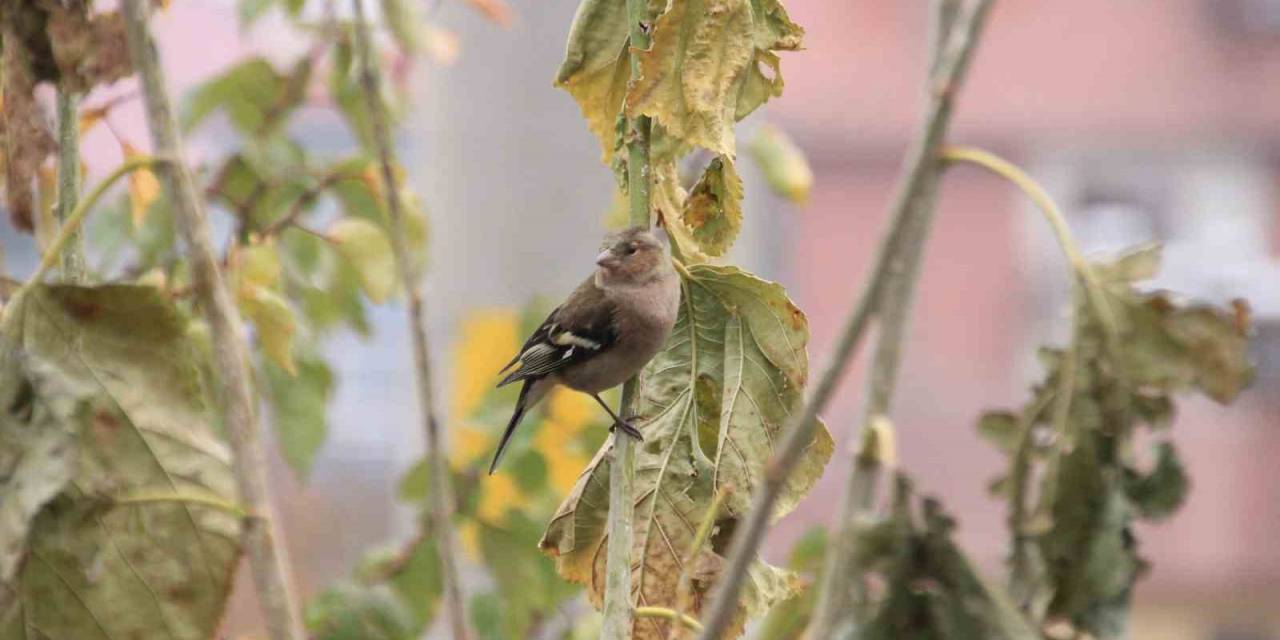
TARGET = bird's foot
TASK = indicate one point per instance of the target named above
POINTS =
(628, 429)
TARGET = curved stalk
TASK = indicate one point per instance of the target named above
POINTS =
(797, 435)
(687, 621)
(268, 557)
(71, 226)
(213, 502)
(1052, 214)
(440, 497)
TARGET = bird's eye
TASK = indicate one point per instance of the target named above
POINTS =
(631, 249)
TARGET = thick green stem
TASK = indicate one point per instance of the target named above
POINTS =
(69, 184)
(618, 613)
(799, 432)
(440, 498)
(268, 559)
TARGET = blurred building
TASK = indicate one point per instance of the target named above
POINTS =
(1147, 122)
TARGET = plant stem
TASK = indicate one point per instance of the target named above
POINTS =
(69, 184)
(842, 583)
(213, 502)
(617, 608)
(440, 501)
(76, 218)
(685, 620)
(268, 558)
(799, 432)
(684, 585)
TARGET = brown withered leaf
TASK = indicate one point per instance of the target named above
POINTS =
(713, 210)
(27, 140)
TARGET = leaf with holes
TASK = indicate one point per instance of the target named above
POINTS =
(713, 209)
(712, 404)
(123, 550)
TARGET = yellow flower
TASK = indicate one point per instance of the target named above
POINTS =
(487, 341)
(563, 470)
(571, 411)
(499, 494)
(469, 536)
(470, 443)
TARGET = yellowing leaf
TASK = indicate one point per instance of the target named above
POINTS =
(144, 189)
(487, 340)
(713, 209)
(594, 70)
(689, 76)
(712, 403)
(668, 200)
(367, 248)
(275, 322)
(258, 265)
(784, 165)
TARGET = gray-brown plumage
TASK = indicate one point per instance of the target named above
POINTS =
(604, 333)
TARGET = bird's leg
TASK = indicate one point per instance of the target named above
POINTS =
(627, 427)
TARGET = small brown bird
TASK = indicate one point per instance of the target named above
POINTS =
(604, 333)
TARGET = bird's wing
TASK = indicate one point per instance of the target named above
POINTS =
(576, 331)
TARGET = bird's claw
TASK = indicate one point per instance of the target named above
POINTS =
(628, 429)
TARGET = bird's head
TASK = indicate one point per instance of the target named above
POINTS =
(631, 256)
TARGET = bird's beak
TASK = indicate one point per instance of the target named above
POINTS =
(606, 259)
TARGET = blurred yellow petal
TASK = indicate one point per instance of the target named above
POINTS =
(571, 410)
(487, 341)
(469, 444)
(500, 493)
(563, 470)
(469, 535)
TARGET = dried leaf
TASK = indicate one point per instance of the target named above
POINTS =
(713, 209)
(89, 50)
(27, 140)
(98, 567)
(711, 405)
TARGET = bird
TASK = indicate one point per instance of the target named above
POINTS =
(606, 331)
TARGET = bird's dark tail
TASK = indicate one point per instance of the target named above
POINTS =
(521, 407)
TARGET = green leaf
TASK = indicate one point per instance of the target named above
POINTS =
(1159, 493)
(933, 592)
(1001, 429)
(275, 323)
(299, 407)
(712, 403)
(349, 611)
(414, 576)
(99, 567)
(255, 97)
(486, 616)
(785, 168)
(713, 209)
(364, 244)
(404, 22)
(1172, 346)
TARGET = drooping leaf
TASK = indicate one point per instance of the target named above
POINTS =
(705, 69)
(713, 209)
(669, 201)
(121, 552)
(1160, 492)
(27, 140)
(932, 591)
(595, 67)
(299, 409)
(275, 323)
(712, 403)
(701, 49)
(785, 168)
(367, 248)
